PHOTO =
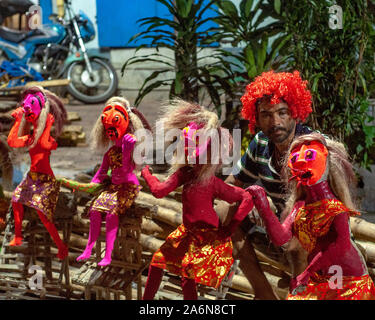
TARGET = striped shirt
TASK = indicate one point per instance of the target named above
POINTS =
(256, 164)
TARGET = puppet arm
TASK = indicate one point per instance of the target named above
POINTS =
(128, 142)
(161, 189)
(279, 233)
(325, 259)
(233, 194)
(91, 187)
(14, 141)
(101, 174)
(46, 141)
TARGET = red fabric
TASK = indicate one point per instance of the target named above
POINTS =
(40, 154)
(282, 85)
(197, 199)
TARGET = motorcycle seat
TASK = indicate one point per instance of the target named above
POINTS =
(16, 35)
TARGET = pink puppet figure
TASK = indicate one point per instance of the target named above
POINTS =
(116, 125)
(318, 212)
(39, 110)
(200, 249)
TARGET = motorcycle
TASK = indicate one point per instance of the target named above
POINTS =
(57, 50)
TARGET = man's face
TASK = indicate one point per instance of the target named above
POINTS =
(275, 121)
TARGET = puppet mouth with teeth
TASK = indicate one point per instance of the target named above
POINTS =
(30, 116)
(301, 175)
(112, 133)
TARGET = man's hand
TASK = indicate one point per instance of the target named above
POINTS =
(256, 218)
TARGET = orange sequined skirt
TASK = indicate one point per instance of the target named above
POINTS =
(116, 198)
(353, 288)
(196, 254)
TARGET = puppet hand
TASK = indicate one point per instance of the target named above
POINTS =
(259, 197)
(50, 119)
(128, 141)
(17, 114)
(146, 171)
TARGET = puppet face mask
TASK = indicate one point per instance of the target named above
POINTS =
(308, 162)
(193, 147)
(115, 120)
(32, 106)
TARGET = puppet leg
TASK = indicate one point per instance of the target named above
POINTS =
(154, 277)
(111, 222)
(189, 289)
(18, 217)
(95, 223)
(61, 246)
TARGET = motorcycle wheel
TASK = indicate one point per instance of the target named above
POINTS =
(97, 89)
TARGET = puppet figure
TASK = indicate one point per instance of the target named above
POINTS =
(200, 249)
(39, 110)
(317, 214)
(116, 126)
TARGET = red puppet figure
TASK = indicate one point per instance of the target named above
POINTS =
(199, 250)
(39, 110)
(116, 127)
(318, 212)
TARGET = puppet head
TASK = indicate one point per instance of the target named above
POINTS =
(324, 158)
(115, 120)
(308, 163)
(193, 147)
(278, 87)
(37, 103)
(200, 134)
(32, 105)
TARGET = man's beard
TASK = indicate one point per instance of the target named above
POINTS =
(280, 138)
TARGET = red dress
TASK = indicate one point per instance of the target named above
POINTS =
(196, 249)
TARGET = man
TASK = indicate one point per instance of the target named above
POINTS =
(276, 103)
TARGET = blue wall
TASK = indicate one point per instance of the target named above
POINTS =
(117, 20)
(46, 10)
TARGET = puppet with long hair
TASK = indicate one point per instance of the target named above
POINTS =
(39, 110)
(199, 250)
(317, 214)
(115, 127)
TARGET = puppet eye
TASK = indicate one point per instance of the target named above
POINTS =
(103, 117)
(294, 158)
(310, 154)
(116, 119)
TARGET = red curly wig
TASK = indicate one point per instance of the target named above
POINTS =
(281, 86)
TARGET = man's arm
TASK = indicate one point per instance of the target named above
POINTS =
(233, 181)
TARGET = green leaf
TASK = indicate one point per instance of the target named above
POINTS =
(228, 8)
(277, 5)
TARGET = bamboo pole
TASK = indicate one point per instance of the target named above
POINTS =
(362, 229)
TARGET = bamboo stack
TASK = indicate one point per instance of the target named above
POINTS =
(161, 216)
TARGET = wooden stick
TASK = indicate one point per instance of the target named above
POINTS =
(362, 229)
